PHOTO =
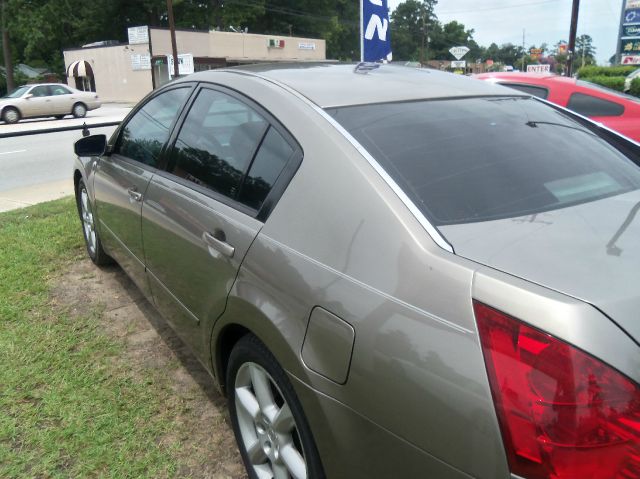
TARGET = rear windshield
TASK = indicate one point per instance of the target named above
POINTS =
(480, 159)
(18, 92)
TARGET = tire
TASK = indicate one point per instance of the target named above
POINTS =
(11, 115)
(91, 238)
(79, 110)
(274, 440)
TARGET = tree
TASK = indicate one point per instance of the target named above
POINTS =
(413, 22)
(6, 47)
(585, 51)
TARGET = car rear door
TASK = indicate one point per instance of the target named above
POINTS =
(122, 178)
(200, 217)
(61, 100)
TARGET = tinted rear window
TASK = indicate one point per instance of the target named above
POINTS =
(533, 90)
(479, 159)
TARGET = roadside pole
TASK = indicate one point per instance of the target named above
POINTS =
(6, 49)
(572, 36)
(172, 29)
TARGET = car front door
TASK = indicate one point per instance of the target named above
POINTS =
(122, 178)
(200, 216)
(38, 104)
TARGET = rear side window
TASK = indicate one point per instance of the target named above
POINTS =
(588, 105)
(479, 159)
(59, 90)
(273, 155)
(145, 133)
(532, 90)
(217, 142)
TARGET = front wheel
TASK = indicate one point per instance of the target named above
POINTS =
(11, 115)
(272, 432)
(91, 238)
(79, 110)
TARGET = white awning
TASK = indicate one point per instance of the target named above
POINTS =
(80, 68)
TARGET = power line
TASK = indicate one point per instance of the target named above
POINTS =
(504, 7)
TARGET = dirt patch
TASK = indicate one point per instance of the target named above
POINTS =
(202, 432)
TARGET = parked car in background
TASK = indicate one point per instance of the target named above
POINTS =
(46, 99)
(391, 272)
(613, 109)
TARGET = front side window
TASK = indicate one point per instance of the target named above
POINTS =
(480, 159)
(217, 142)
(144, 135)
(588, 105)
(40, 91)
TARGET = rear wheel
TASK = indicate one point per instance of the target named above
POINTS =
(10, 115)
(91, 238)
(272, 432)
(79, 110)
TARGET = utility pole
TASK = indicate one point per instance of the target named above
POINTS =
(572, 36)
(6, 49)
(423, 36)
(172, 30)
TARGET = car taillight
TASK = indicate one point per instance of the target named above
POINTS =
(563, 414)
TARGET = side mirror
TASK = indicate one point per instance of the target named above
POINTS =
(28, 95)
(93, 145)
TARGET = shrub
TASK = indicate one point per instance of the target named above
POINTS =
(595, 71)
(615, 83)
(635, 87)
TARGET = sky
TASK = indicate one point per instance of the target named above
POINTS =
(544, 21)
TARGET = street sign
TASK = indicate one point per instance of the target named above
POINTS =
(458, 64)
(459, 52)
(538, 68)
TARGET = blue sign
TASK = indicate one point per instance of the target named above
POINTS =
(376, 41)
(631, 31)
(632, 16)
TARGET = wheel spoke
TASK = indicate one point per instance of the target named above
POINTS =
(280, 471)
(248, 402)
(256, 453)
(294, 461)
(262, 388)
(283, 421)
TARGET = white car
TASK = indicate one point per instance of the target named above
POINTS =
(630, 77)
(46, 99)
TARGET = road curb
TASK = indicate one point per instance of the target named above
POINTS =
(58, 129)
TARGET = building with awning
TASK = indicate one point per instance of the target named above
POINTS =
(127, 72)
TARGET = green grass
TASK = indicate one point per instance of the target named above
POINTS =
(68, 406)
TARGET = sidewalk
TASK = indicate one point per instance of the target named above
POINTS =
(30, 195)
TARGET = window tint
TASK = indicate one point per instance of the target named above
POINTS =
(479, 159)
(59, 90)
(588, 105)
(40, 91)
(265, 169)
(146, 132)
(217, 142)
(533, 90)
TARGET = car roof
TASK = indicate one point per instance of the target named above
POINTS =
(340, 84)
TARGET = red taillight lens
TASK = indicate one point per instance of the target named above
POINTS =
(563, 414)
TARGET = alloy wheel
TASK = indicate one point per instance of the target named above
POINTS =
(88, 225)
(267, 426)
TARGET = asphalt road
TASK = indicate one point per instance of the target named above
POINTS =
(36, 168)
(36, 159)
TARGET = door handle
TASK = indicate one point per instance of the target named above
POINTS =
(134, 194)
(217, 242)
